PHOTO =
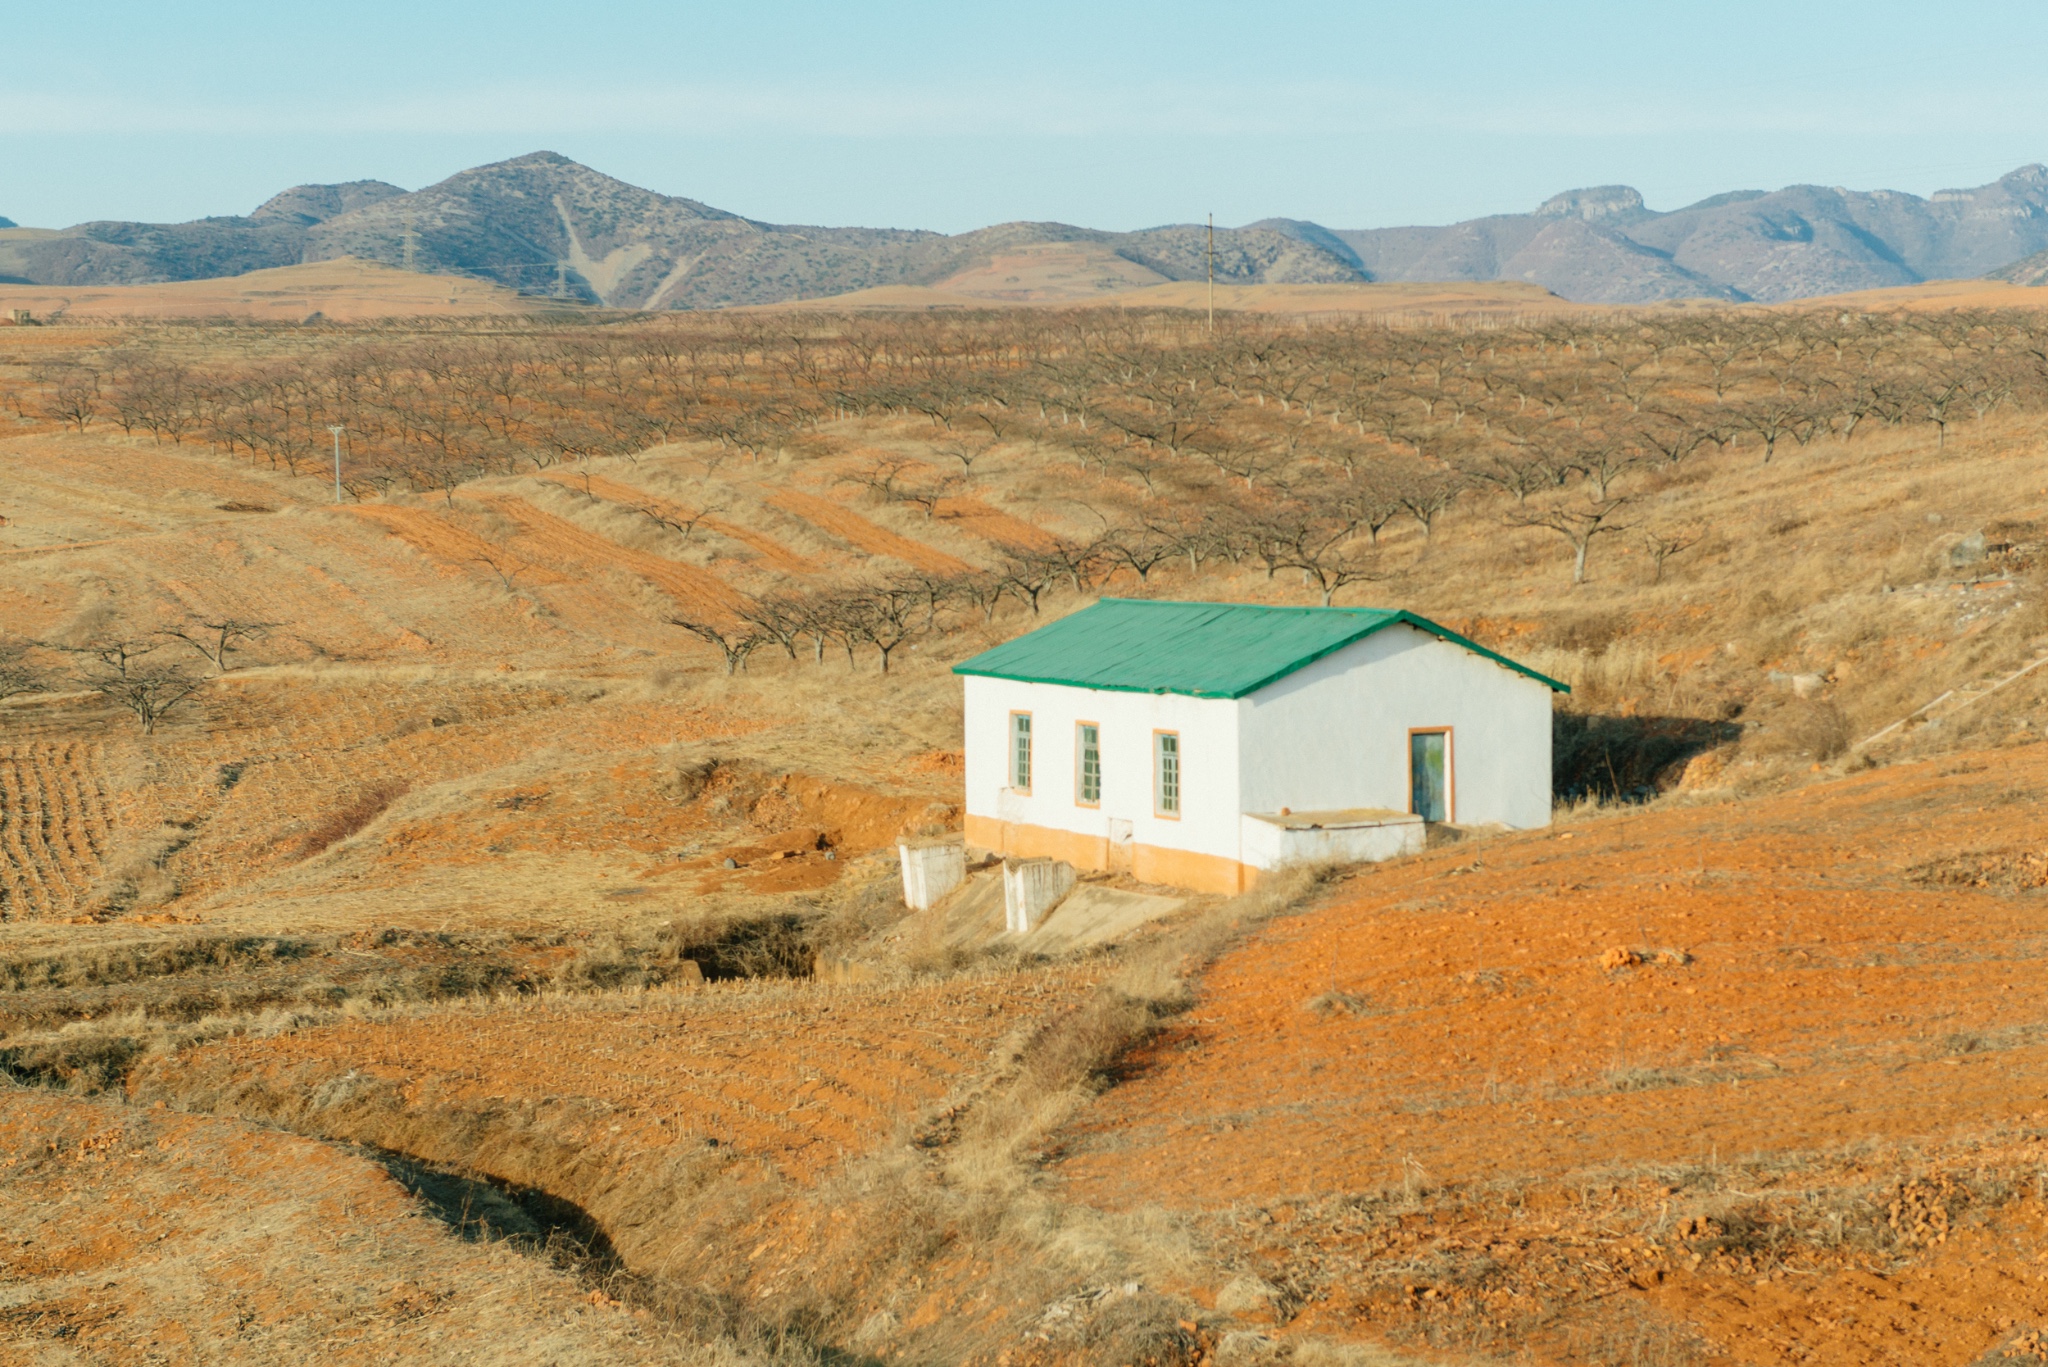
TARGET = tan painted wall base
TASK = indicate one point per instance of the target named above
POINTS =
(1149, 863)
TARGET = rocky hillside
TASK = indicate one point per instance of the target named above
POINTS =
(1603, 245)
(543, 224)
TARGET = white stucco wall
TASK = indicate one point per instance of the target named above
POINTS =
(1209, 761)
(1335, 734)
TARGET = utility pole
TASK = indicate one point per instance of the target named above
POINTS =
(409, 243)
(337, 431)
(1212, 274)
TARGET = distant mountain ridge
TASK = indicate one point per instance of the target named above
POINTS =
(544, 224)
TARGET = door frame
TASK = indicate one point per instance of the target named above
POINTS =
(1449, 733)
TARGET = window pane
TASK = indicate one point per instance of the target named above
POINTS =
(1020, 750)
(1166, 773)
(1089, 769)
(1429, 791)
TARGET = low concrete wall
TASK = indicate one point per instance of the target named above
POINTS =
(930, 871)
(1273, 841)
(1031, 889)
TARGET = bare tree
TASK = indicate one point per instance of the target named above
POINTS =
(1660, 546)
(1426, 495)
(885, 615)
(119, 672)
(1141, 549)
(1577, 523)
(781, 618)
(735, 642)
(1323, 547)
(17, 675)
(677, 519)
(506, 565)
(1028, 574)
(929, 494)
(986, 591)
(966, 452)
(72, 394)
(218, 638)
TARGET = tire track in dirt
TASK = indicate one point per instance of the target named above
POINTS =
(857, 531)
(53, 827)
(771, 551)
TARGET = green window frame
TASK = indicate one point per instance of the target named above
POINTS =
(1166, 773)
(1020, 751)
(1088, 764)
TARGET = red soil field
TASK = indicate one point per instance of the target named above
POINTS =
(799, 1077)
(857, 531)
(557, 539)
(1827, 982)
(993, 525)
(1492, 1017)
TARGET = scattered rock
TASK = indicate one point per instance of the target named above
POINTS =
(1247, 1294)
(876, 1330)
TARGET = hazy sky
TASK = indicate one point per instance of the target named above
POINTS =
(955, 115)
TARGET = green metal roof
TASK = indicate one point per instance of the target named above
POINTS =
(1205, 650)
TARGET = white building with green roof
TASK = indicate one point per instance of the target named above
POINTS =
(1199, 744)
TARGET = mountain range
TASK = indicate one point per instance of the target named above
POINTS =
(544, 224)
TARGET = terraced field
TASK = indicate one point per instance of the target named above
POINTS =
(54, 827)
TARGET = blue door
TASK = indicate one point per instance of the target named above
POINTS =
(1428, 775)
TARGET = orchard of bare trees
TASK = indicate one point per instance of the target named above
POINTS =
(1286, 445)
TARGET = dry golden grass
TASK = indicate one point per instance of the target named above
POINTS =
(423, 870)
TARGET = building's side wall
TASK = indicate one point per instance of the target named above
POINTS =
(1198, 850)
(1335, 734)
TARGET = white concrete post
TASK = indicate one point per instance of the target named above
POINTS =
(1031, 889)
(930, 872)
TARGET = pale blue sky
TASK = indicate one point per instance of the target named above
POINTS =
(956, 115)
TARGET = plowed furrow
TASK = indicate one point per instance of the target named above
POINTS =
(857, 531)
(555, 538)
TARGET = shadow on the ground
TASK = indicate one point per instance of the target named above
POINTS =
(1622, 758)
